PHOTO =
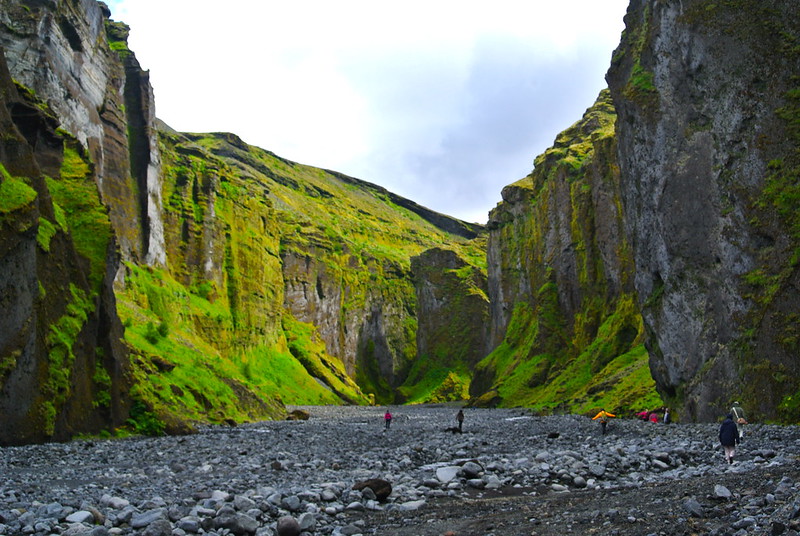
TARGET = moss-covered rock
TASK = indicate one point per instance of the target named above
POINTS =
(452, 326)
(566, 331)
(62, 368)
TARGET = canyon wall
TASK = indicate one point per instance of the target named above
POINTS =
(707, 97)
(565, 330)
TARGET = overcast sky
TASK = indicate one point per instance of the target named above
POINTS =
(443, 102)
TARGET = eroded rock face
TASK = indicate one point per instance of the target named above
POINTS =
(61, 51)
(452, 316)
(363, 327)
(62, 366)
(704, 97)
(558, 266)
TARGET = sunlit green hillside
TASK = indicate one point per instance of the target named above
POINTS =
(271, 267)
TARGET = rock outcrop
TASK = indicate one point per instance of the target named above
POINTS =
(565, 329)
(707, 97)
(62, 367)
(452, 326)
(77, 61)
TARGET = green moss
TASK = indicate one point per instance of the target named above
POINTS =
(182, 373)
(8, 363)
(437, 386)
(143, 421)
(14, 193)
(642, 81)
(102, 382)
(640, 87)
(117, 35)
(60, 342)
(306, 346)
(78, 206)
(45, 234)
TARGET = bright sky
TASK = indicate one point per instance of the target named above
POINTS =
(441, 101)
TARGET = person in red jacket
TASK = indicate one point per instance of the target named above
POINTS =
(387, 419)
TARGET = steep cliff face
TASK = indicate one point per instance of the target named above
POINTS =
(565, 329)
(64, 53)
(707, 96)
(452, 325)
(62, 367)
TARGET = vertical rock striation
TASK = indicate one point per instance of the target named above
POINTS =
(707, 97)
(452, 326)
(77, 61)
(562, 304)
(63, 369)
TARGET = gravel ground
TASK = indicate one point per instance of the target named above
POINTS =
(508, 473)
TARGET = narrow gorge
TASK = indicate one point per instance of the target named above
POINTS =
(153, 280)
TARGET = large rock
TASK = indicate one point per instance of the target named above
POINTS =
(381, 488)
(61, 349)
(288, 526)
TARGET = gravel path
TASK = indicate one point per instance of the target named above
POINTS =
(509, 473)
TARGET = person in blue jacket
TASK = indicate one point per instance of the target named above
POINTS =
(729, 437)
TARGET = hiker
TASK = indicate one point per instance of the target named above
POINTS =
(729, 437)
(642, 415)
(653, 417)
(387, 419)
(460, 419)
(603, 415)
(667, 416)
(739, 419)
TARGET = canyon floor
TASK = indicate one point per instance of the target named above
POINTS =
(509, 473)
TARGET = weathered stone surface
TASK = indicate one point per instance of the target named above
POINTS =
(704, 137)
(380, 487)
(451, 294)
(44, 281)
(559, 263)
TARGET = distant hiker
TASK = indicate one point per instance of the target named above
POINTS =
(603, 415)
(460, 419)
(643, 414)
(387, 419)
(739, 419)
(729, 437)
(653, 417)
(667, 416)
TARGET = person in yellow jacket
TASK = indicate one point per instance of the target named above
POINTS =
(603, 416)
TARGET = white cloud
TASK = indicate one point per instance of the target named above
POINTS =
(443, 102)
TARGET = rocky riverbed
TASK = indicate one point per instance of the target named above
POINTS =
(508, 473)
